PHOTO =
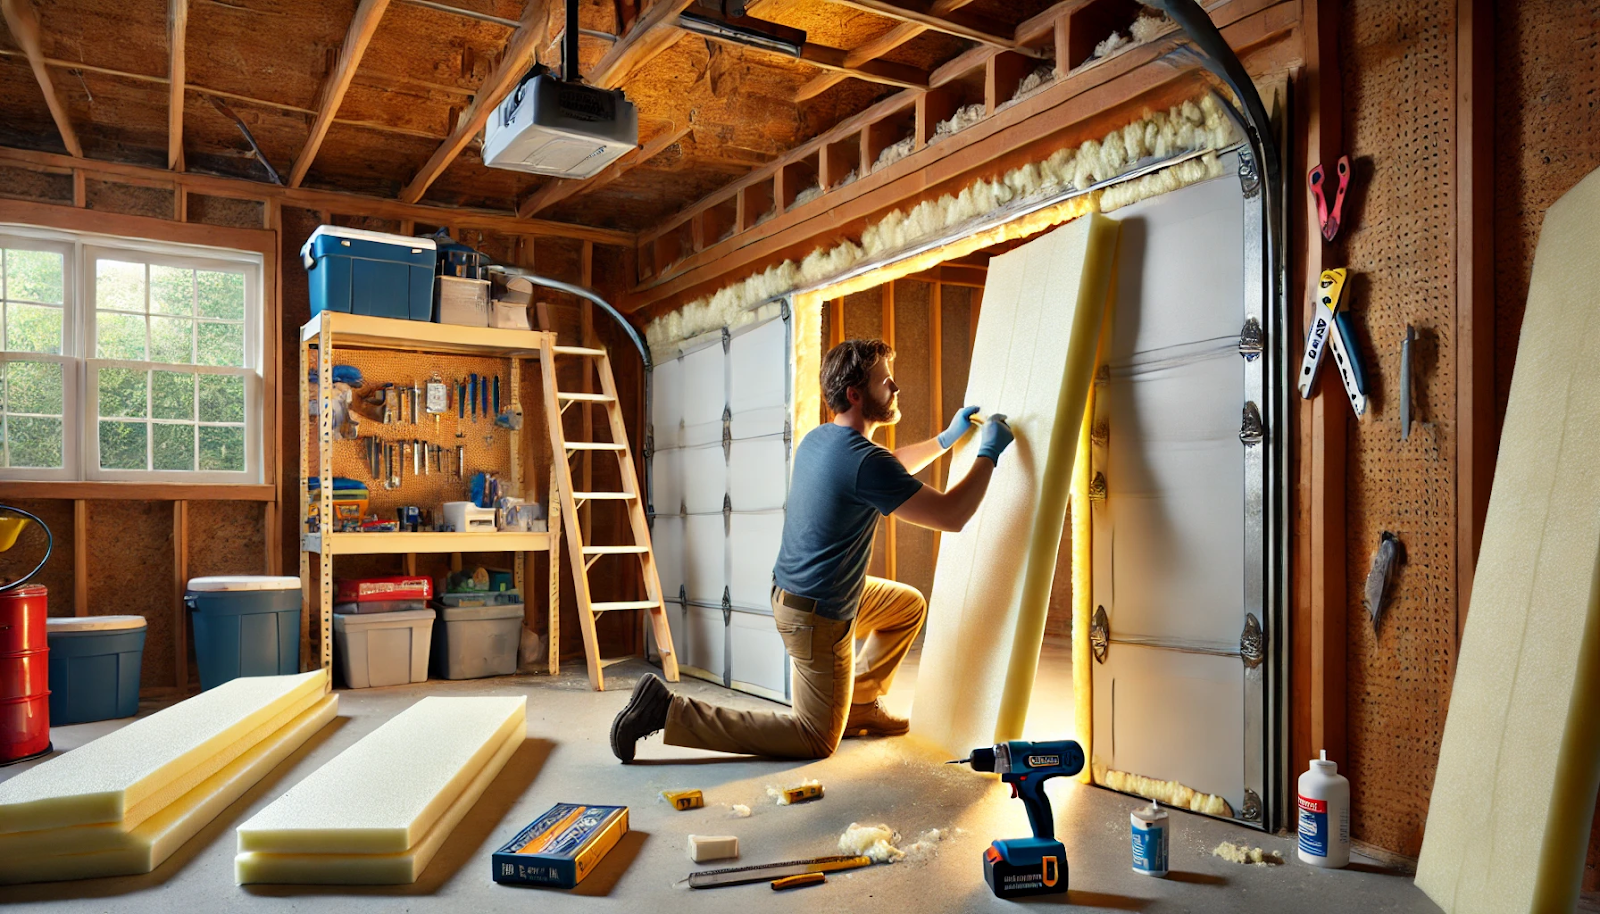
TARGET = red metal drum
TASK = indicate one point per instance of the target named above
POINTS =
(24, 674)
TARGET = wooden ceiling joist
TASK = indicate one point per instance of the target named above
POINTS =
(875, 49)
(177, 27)
(24, 26)
(519, 55)
(879, 71)
(362, 28)
(557, 190)
(956, 22)
(651, 34)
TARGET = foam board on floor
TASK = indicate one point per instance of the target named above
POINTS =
(1519, 764)
(374, 869)
(149, 845)
(1033, 360)
(382, 795)
(103, 781)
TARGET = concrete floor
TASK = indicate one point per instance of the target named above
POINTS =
(894, 781)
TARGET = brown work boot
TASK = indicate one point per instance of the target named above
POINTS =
(870, 718)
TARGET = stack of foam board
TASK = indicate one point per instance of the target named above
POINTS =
(122, 804)
(377, 813)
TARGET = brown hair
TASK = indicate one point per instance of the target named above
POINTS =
(848, 365)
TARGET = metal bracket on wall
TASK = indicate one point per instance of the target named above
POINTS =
(1100, 634)
(1252, 642)
(1252, 432)
(1252, 339)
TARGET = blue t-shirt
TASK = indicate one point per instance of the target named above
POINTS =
(841, 483)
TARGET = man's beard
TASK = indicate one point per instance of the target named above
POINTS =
(884, 413)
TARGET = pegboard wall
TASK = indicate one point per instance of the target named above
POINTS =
(1399, 94)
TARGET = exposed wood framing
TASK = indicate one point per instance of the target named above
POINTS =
(80, 557)
(556, 191)
(24, 25)
(972, 27)
(180, 583)
(651, 34)
(876, 48)
(891, 549)
(362, 27)
(133, 491)
(309, 198)
(878, 71)
(177, 27)
(518, 56)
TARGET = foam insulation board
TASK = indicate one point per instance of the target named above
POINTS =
(1033, 360)
(382, 795)
(377, 869)
(1519, 763)
(106, 779)
(149, 845)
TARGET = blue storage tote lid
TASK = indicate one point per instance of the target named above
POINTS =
(413, 244)
(60, 624)
(241, 582)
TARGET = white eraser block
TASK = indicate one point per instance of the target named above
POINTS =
(703, 848)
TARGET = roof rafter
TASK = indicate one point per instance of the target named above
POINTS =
(970, 26)
(24, 25)
(836, 59)
(362, 27)
(651, 34)
(556, 191)
(874, 49)
(177, 27)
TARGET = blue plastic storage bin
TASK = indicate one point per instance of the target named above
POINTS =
(244, 625)
(373, 273)
(94, 667)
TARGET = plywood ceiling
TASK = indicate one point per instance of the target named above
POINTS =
(269, 60)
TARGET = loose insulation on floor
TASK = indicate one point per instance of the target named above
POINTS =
(109, 780)
(110, 851)
(1519, 763)
(378, 869)
(396, 793)
(1033, 360)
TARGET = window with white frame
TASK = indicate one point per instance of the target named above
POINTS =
(128, 360)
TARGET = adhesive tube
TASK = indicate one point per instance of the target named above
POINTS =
(1149, 834)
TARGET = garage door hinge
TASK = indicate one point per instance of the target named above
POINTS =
(1252, 642)
(1097, 487)
(1252, 340)
(1100, 634)
(783, 308)
(727, 339)
(1249, 175)
(683, 595)
(727, 514)
(1252, 432)
(727, 434)
(788, 435)
(649, 441)
(1252, 806)
(727, 607)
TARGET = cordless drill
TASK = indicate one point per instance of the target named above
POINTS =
(1014, 867)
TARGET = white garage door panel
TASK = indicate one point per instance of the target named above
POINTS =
(756, 423)
(703, 396)
(758, 653)
(666, 403)
(1197, 596)
(704, 640)
(705, 478)
(703, 572)
(666, 481)
(758, 359)
(758, 474)
(666, 541)
(1197, 401)
(754, 547)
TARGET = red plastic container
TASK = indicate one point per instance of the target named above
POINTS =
(24, 674)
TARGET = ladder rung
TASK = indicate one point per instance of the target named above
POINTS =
(612, 661)
(614, 550)
(576, 350)
(623, 604)
(594, 496)
(585, 398)
(593, 446)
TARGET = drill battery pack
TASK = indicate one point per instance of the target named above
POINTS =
(1032, 870)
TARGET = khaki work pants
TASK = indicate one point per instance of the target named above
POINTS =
(824, 682)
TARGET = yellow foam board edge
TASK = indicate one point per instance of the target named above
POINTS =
(1033, 360)
(79, 839)
(101, 781)
(161, 835)
(382, 795)
(374, 869)
(1519, 764)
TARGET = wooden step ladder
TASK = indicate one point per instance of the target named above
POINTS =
(583, 555)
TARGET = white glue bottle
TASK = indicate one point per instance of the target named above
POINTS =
(1324, 815)
(1149, 840)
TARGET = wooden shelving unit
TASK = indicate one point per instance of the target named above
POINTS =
(330, 332)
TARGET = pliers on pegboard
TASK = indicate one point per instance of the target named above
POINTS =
(1330, 218)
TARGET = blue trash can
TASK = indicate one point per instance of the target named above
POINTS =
(244, 625)
(363, 272)
(94, 667)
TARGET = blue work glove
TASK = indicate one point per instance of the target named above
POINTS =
(996, 437)
(958, 427)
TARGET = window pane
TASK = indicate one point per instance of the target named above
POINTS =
(174, 447)
(221, 398)
(172, 395)
(122, 393)
(34, 276)
(119, 285)
(122, 445)
(34, 442)
(34, 387)
(222, 344)
(33, 328)
(171, 290)
(172, 340)
(221, 448)
(120, 336)
(221, 295)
